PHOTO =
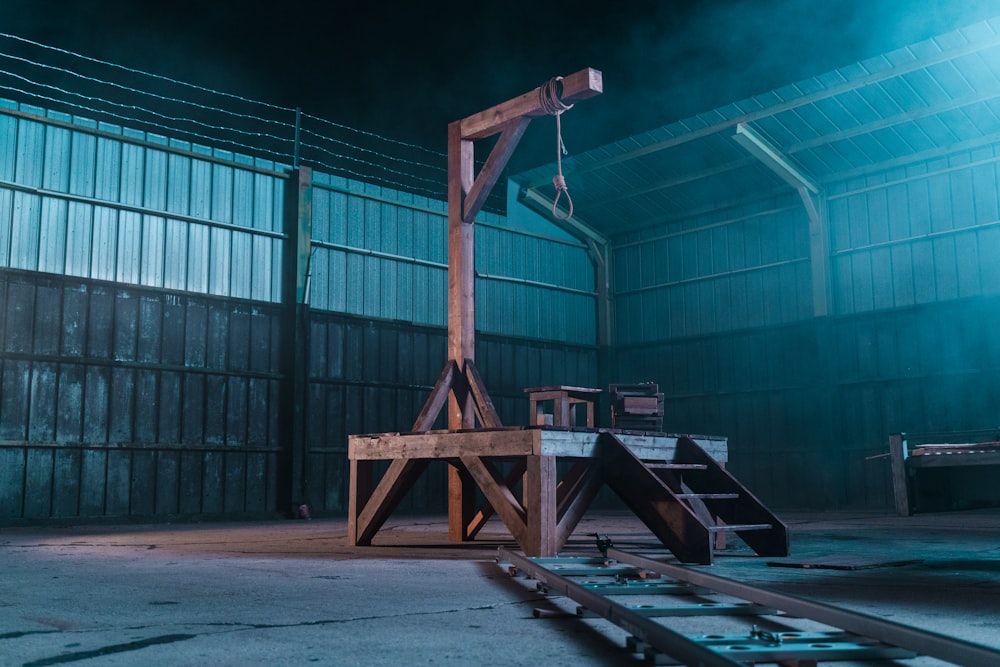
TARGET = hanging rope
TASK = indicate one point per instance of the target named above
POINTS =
(550, 103)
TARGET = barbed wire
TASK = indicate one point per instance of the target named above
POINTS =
(281, 134)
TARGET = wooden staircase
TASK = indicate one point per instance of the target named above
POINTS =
(688, 501)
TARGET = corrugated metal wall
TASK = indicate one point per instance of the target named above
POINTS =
(138, 209)
(143, 342)
(383, 254)
(117, 401)
(729, 270)
(719, 312)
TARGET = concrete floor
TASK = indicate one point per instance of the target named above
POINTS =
(293, 593)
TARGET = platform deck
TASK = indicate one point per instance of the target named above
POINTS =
(549, 508)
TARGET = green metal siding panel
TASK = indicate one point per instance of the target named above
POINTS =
(383, 255)
(916, 236)
(99, 237)
(747, 268)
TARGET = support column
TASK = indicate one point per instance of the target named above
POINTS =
(461, 269)
(294, 335)
(461, 320)
(542, 538)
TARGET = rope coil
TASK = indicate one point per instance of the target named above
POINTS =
(548, 100)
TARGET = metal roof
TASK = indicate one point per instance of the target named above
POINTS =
(914, 104)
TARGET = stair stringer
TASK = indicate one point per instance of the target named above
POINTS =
(746, 510)
(672, 521)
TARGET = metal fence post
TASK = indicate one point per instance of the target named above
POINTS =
(293, 484)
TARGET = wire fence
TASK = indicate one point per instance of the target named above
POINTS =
(82, 86)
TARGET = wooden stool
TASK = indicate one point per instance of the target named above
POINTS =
(563, 399)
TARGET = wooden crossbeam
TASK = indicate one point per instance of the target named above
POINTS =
(575, 87)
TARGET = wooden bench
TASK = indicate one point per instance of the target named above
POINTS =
(907, 457)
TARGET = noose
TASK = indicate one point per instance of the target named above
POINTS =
(551, 104)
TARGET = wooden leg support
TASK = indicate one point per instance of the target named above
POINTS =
(499, 495)
(574, 494)
(367, 511)
(540, 505)
(549, 512)
(486, 510)
(461, 504)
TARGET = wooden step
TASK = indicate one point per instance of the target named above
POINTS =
(738, 528)
(676, 466)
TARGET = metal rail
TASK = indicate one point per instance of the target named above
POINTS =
(860, 636)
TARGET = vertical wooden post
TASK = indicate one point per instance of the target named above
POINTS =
(461, 265)
(540, 506)
(900, 480)
(461, 318)
(360, 492)
(467, 193)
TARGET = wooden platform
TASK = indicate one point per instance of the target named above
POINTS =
(497, 460)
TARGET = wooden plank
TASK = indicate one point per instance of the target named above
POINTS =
(499, 495)
(437, 399)
(640, 405)
(900, 487)
(552, 391)
(488, 416)
(518, 441)
(953, 459)
(584, 444)
(441, 445)
(396, 482)
(578, 86)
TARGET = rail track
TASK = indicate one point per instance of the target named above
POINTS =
(658, 603)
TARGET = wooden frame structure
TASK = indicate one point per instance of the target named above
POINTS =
(643, 472)
(549, 508)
